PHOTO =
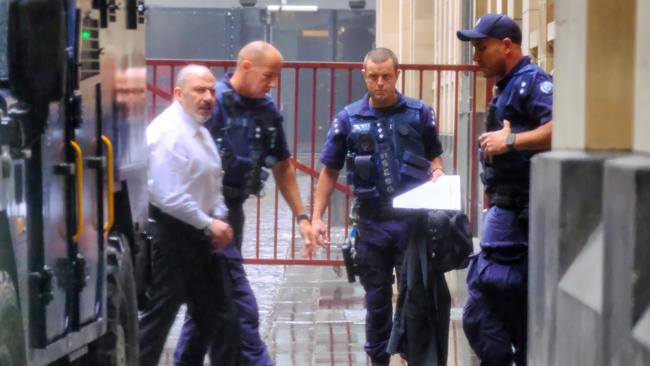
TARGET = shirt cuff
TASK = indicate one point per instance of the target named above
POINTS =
(220, 212)
(202, 221)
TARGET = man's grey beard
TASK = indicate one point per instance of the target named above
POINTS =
(201, 119)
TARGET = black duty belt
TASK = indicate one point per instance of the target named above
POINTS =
(510, 197)
(507, 254)
(382, 212)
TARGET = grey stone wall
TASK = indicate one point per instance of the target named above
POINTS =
(589, 259)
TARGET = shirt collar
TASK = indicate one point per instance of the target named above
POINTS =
(240, 99)
(369, 111)
(190, 125)
(501, 84)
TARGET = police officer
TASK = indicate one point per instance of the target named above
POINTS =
(187, 215)
(247, 128)
(518, 126)
(389, 144)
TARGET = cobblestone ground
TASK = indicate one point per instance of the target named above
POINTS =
(311, 316)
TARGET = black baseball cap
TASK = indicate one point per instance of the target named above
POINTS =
(490, 25)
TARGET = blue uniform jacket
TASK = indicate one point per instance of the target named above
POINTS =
(336, 146)
(259, 108)
(525, 98)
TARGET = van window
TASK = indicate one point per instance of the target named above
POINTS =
(4, 9)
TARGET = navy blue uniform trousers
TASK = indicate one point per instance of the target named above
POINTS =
(241, 340)
(495, 313)
(183, 271)
(380, 249)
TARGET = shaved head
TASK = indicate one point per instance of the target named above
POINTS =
(258, 53)
(258, 69)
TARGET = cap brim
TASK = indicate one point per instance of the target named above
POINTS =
(470, 34)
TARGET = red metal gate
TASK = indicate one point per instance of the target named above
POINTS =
(336, 81)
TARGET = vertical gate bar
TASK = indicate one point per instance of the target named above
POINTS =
(421, 76)
(313, 133)
(474, 151)
(438, 92)
(332, 106)
(350, 85)
(347, 198)
(172, 80)
(489, 88)
(295, 148)
(332, 95)
(296, 106)
(278, 104)
(456, 122)
(154, 102)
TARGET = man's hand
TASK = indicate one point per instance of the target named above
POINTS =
(494, 143)
(436, 173)
(317, 238)
(305, 230)
(221, 234)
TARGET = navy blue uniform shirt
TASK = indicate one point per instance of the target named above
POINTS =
(525, 98)
(335, 148)
(260, 108)
(529, 102)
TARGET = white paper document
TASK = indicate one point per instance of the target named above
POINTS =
(444, 194)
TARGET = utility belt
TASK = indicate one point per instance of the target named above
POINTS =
(509, 254)
(510, 197)
(381, 212)
(250, 176)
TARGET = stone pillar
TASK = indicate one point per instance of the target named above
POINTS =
(563, 217)
(642, 88)
(388, 29)
(529, 26)
(423, 47)
(515, 11)
(626, 215)
(590, 197)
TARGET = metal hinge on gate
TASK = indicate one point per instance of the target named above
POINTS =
(79, 272)
(41, 284)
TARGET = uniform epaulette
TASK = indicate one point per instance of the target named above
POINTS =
(527, 69)
(413, 103)
(354, 108)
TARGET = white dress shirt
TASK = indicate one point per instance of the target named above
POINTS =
(185, 174)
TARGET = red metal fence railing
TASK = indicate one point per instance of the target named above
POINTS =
(309, 94)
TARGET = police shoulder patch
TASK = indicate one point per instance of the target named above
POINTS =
(546, 87)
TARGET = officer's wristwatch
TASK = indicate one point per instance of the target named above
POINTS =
(510, 141)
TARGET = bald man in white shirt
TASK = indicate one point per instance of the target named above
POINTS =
(187, 215)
